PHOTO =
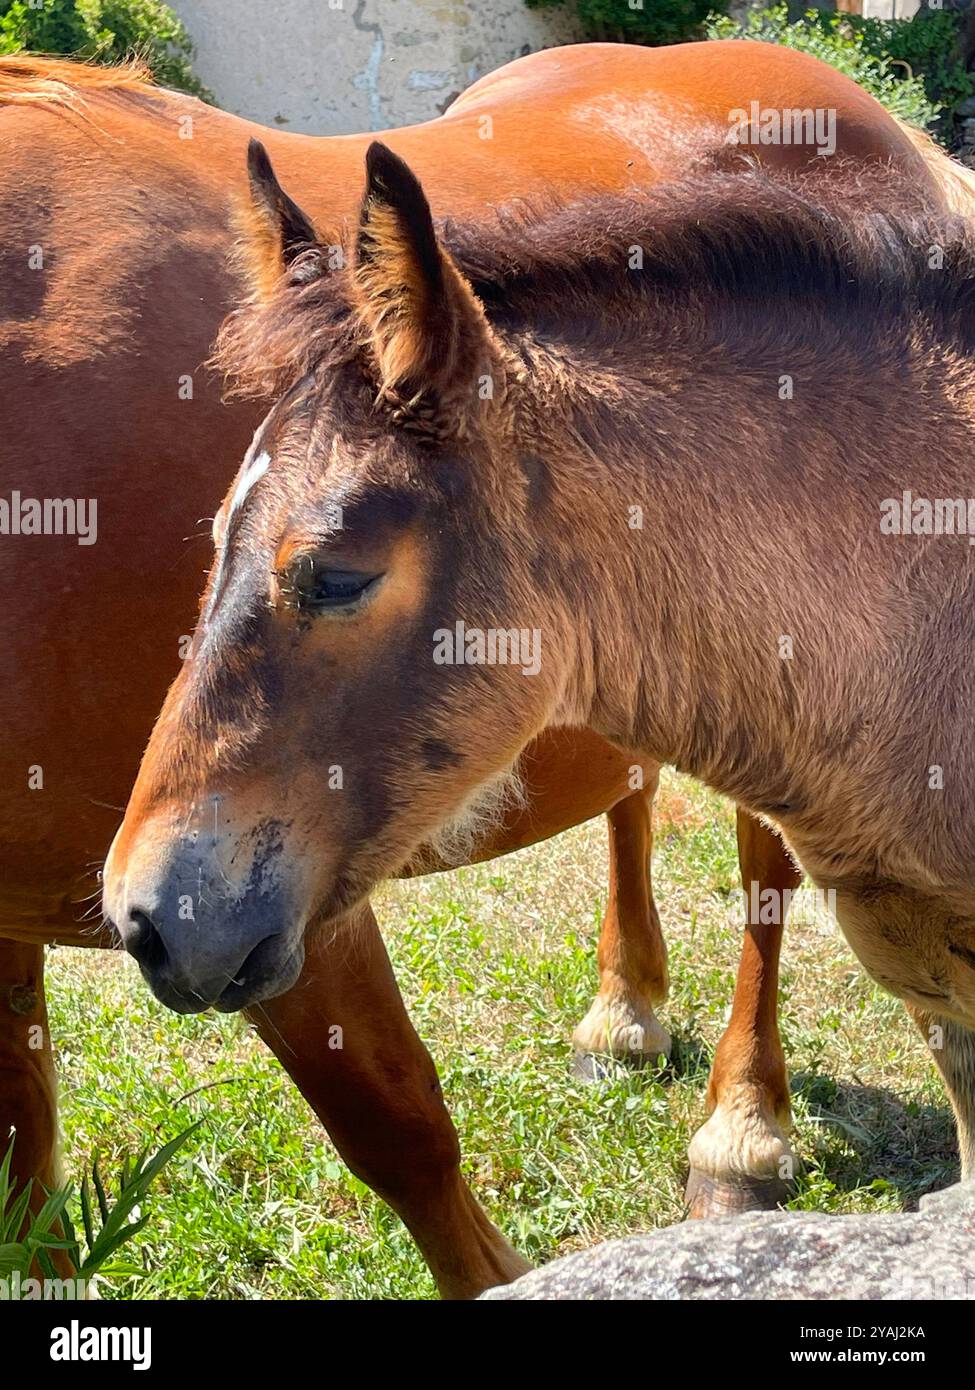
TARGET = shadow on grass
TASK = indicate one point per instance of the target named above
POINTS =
(689, 1060)
(868, 1134)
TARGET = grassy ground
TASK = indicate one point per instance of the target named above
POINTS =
(497, 966)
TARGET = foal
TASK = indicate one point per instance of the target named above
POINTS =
(655, 439)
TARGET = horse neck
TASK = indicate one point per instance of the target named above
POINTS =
(735, 604)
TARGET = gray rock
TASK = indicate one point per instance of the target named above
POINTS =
(966, 108)
(928, 1254)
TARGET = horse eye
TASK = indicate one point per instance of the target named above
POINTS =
(313, 588)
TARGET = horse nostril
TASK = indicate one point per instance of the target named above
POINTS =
(143, 941)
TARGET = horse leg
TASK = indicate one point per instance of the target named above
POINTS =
(740, 1159)
(952, 1047)
(343, 1034)
(906, 941)
(28, 1085)
(632, 955)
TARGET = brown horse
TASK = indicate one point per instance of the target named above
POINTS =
(427, 560)
(117, 208)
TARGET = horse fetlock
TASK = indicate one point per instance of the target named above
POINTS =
(622, 1025)
(743, 1140)
(658, 991)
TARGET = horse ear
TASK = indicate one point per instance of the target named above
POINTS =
(276, 230)
(425, 325)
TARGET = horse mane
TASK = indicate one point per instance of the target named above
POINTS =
(954, 180)
(565, 272)
(30, 79)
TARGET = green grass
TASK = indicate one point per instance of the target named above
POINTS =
(497, 965)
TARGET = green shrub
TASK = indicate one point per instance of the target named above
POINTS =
(928, 44)
(105, 31)
(848, 45)
(643, 21)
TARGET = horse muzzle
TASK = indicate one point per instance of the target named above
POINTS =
(211, 922)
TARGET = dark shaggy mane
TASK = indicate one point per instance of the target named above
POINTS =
(562, 268)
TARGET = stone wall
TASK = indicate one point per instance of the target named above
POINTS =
(334, 66)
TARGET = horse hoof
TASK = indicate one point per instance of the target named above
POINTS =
(589, 1067)
(706, 1196)
(592, 1067)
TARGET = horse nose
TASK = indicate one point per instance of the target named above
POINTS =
(142, 941)
(190, 964)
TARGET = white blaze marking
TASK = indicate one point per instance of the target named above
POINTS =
(251, 474)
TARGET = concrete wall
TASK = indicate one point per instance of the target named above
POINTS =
(891, 9)
(333, 66)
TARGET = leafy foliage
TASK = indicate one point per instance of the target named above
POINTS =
(107, 1225)
(927, 45)
(853, 46)
(104, 31)
(639, 21)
